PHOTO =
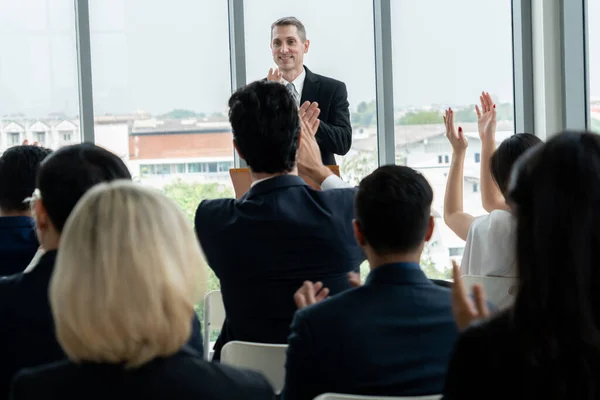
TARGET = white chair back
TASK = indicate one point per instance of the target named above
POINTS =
(268, 359)
(336, 396)
(214, 316)
(498, 290)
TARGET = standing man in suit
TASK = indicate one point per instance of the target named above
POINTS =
(282, 232)
(393, 336)
(289, 44)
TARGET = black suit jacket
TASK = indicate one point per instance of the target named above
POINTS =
(27, 337)
(391, 337)
(488, 362)
(183, 376)
(18, 244)
(263, 246)
(335, 131)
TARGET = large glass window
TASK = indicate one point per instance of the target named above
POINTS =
(38, 73)
(594, 62)
(445, 53)
(161, 84)
(341, 47)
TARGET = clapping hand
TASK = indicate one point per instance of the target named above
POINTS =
(275, 75)
(465, 312)
(486, 118)
(309, 114)
(309, 294)
(457, 139)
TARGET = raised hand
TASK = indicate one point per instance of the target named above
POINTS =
(457, 139)
(309, 113)
(465, 312)
(354, 279)
(275, 75)
(310, 293)
(486, 118)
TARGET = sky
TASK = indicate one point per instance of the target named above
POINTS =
(157, 55)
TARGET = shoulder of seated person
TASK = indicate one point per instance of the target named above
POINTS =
(232, 377)
(46, 372)
(9, 281)
(494, 328)
(211, 204)
(328, 79)
(328, 306)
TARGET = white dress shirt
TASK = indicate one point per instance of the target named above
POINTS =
(298, 82)
(490, 246)
(331, 182)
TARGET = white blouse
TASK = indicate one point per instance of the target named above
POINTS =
(490, 246)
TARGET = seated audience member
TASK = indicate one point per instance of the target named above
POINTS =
(130, 255)
(393, 336)
(282, 232)
(18, 242)
(547, 346)
(27, 336)
(489, 248)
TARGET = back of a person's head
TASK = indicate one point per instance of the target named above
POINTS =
(19, 166)
(69, 172)
(130, 257)
(555, 195)
(265, 123)
(393, 208)
(507, 154)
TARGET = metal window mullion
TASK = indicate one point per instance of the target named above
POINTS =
(382, 21)
(574, 65)
(237, 55)
(523, 88)
(84, 70)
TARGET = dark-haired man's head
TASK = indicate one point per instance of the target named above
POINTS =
(266, 126)
(18, 170)
(63, 178)
(393, 215)
(507, 154)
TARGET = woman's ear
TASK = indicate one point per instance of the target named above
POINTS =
(41, 215)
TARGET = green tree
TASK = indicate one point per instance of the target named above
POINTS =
(189, 195)
(595, 125)
(430, 268)
(180, 113)
(467, 114)
(365, 114)
(358, 165)
(421, 118)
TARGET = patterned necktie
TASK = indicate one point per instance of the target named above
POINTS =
(292, 89)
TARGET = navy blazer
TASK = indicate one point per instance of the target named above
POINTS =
(18, 244)
(335, 130)
(182, 376)
(391, 337)
(263, 246)
(27, 337)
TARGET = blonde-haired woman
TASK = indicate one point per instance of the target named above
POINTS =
(122, 297)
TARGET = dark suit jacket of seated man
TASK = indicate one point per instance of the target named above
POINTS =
(282, 232)
(264, 245)
(394, 335)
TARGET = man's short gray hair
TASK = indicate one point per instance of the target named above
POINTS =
(286, 21)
